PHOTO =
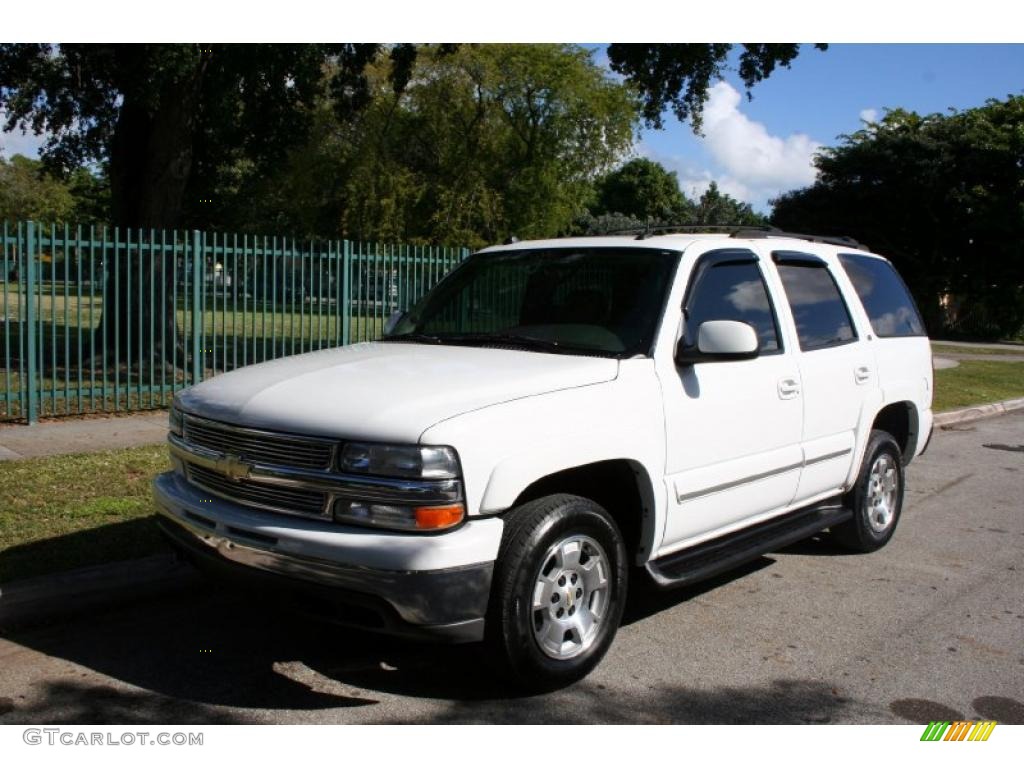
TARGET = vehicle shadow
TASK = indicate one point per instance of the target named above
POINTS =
(112, 542)
(646, 599)
(209, 655)
(189, 655)
(819, 545)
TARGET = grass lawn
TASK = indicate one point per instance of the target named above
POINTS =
(974, 382)
(66, 512)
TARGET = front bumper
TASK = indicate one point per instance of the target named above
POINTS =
(423, 586)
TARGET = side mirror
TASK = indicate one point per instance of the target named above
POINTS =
(719, 340)
(393, 320)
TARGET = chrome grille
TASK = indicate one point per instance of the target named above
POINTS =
(263, 495)
(256, 445)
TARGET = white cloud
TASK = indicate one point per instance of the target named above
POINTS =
(869, 115)
(764, 163)
(748, 162)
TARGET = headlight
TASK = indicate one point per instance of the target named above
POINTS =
(406, 461)
(397, 517)
(174, 421)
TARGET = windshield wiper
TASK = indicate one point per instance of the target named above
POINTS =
(513, 339)
(420, 338)
(549, 345)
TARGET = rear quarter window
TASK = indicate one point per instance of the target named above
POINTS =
(884, 295)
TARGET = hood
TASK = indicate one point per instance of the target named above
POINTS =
(384, 391)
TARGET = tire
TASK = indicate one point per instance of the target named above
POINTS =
(566, 553)
(876, 498)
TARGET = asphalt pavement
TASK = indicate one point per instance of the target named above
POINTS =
(931, 627)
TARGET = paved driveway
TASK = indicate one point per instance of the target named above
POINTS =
(931, 627)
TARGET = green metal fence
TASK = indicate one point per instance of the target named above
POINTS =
(105, 320)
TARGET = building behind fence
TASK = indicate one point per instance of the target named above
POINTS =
(235, 300)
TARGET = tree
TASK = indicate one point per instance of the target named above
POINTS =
(486, 142)
(677, 76)
(942, 195)
(715, 208)
(167, 119)
(643, 194)
(644, 190)
(26, 192)
(29, 191)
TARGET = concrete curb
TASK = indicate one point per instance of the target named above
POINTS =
(978, 412)
(41, 598)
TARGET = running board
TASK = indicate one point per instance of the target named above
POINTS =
(711, 558)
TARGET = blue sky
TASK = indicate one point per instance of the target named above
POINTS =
(756, 149)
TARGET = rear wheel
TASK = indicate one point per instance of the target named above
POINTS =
(876, 498)
(559, 591)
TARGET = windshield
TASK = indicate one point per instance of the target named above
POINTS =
(603, 301)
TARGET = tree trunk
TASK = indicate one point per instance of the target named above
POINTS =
(150, 163)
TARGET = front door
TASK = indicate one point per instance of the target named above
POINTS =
(733, 428)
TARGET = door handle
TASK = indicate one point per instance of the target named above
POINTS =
(861, 374)
(788, 388)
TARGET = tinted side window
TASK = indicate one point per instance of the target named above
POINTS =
(885, 298)
(822, 319)
(732, 291)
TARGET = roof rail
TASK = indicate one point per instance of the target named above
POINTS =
(849, 242)
(736, 230)
(642, 233)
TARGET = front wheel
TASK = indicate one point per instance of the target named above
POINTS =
(559, 590)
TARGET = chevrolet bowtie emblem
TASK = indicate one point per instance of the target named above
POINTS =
(234, 467)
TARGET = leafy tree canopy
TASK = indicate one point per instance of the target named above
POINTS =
(642, 189)
(27, 191)
(677, 76)
(485, 142)
(167, 117)
(942, 195)
(643, 193)
(715, 208)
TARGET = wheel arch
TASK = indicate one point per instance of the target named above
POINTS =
(622, 486)
(901, 420)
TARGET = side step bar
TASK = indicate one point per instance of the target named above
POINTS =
(726, 552)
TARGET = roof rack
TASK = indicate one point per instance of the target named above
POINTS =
(737, 230)
(849, 242)
(642, 233)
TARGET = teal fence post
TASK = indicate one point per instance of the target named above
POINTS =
(31, 352)
(197, 311)
(346, 291)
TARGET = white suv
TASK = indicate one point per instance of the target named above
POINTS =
(552, 418)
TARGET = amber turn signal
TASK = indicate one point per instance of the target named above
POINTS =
(434, 518)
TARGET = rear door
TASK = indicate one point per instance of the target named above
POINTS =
(836, 369)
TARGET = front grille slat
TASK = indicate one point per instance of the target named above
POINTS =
(263, 495)
(252, 445)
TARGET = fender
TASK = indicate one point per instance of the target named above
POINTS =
(515, 474)
(550, 433)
